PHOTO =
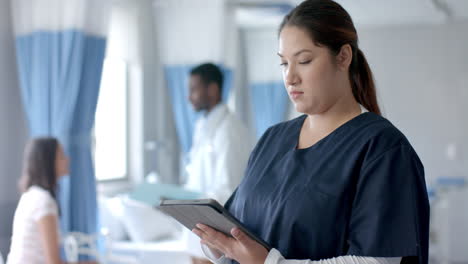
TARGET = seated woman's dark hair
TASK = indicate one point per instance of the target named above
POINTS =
(39, 165)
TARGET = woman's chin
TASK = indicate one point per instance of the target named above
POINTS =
(300, 108)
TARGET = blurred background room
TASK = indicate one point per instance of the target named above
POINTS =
(110, 80)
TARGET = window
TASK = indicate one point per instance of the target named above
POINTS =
(110, 129)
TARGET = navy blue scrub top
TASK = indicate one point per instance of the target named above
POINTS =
(359, 191)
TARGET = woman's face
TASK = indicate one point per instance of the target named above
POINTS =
(61, 162)
(310, 74)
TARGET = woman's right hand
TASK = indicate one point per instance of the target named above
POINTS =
(239, 247)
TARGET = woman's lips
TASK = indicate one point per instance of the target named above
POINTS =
(295, 94)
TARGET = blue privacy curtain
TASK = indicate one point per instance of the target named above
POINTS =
(177, 78)
(268, 98)
(269, 104)
(60, 52)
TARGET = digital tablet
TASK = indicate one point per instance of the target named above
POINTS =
(205, 211)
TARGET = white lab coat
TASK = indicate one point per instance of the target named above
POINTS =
(217, 161)
(220, 150)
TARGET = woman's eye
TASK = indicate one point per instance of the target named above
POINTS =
(283, 64)
(305, 62)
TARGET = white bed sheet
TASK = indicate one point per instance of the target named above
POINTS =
(171, 251)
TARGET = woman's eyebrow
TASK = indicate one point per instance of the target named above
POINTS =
(297, 53)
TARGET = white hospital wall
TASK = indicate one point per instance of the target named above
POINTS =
(422, 82)
(158, 126)
(13, 129)
(186, 28)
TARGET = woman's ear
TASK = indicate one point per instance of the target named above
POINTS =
(344, 57)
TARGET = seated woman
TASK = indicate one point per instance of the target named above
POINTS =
(35, 225)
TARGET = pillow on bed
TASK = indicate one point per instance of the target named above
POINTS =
(110, 217)
(145, 223)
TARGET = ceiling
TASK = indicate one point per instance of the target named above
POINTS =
(364, 12)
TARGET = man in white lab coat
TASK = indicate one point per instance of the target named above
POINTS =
(220, 148)
(221, 143)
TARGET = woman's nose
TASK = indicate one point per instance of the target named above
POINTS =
(290, 76)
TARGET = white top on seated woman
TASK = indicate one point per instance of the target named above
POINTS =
(35, 237)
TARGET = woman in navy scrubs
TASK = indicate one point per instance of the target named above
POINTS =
(339, 184)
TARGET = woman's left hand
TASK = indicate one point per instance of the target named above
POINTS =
(241, 248)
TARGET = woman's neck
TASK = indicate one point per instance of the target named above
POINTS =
(318, 126)
(338, 114)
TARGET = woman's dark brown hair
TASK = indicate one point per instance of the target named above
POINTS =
(329, 25)
(39, 165)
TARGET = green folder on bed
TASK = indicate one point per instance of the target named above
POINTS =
(153, 193)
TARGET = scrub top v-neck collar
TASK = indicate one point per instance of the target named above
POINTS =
(337, 130)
